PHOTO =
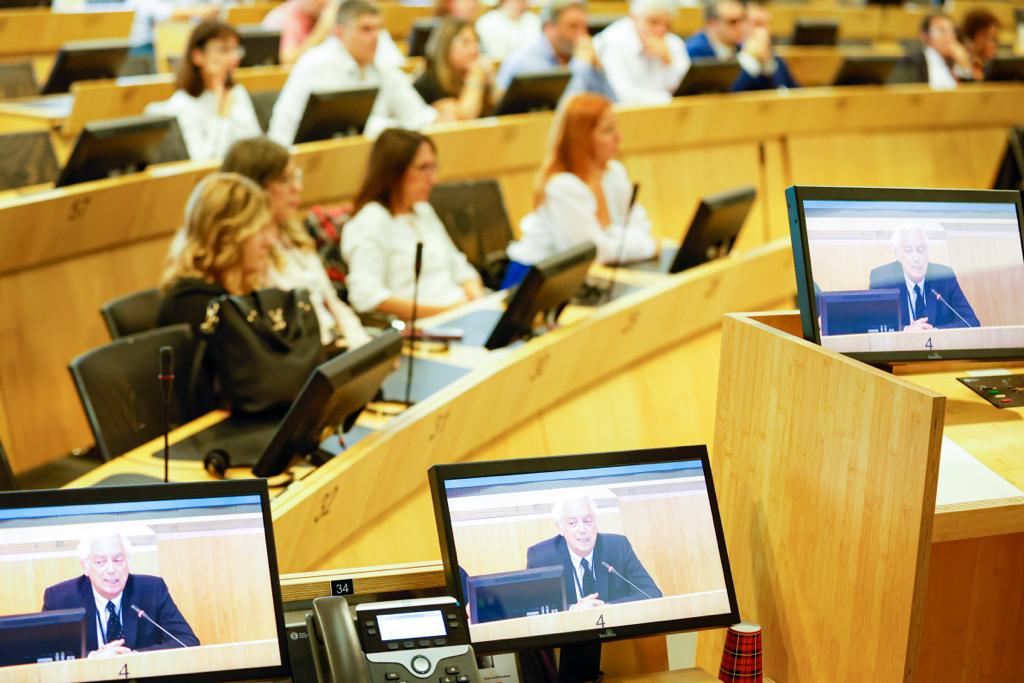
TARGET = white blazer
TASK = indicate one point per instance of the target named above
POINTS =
(638, 78)
(208, 134)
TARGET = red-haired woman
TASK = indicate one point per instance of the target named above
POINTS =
(583, 194)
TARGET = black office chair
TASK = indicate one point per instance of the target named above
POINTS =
(118, 386)
(131, 313)
(17, 80)
(474, 214)
(263, 103)
(28, 159)
(7, 480)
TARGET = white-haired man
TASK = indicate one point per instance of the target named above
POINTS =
(932, 296)
(643, 59)
(598, 568)
(110, 594)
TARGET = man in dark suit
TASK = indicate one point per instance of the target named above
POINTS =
(109, 592)
(598, 568)
(931, 295)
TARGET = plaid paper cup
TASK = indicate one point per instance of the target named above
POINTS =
(741, 657)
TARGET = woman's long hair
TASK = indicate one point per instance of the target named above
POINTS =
(438, 53)
(390, 158)
(571, 149)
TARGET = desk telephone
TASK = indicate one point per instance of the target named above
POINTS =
(400, 641)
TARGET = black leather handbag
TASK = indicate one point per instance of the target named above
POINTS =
(264, 345)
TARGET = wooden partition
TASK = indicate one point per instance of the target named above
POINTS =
(42, 32)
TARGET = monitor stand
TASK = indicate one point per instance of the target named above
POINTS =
(578, 663)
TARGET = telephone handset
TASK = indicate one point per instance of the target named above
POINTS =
(400, 641)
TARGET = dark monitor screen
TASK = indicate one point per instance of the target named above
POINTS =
(335, 114)
(115, 147)
(539, 91)
(1010, 175)
(262, 46)
(17, 4)
(866, 70)
(419, 35)
(816, 32)
(709, 75)
(195, 560)
(954, 257)
(714, 228)
(520, 593)
(85, 61)
(334, 395)
(601, 519)
(546, 289)
(1005, 69)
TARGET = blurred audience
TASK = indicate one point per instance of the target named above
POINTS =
(458, 82)
(507, 27)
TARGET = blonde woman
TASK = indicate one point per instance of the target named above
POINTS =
(457, 82)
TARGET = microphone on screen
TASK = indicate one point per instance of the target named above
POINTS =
(142, 615)
(614, 572)
(938, 297)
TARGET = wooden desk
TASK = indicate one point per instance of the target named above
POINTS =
(1006, 336)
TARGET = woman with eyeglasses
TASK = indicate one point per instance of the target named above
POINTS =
(212, 110)
(457, 82)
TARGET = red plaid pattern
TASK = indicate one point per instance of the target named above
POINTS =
(741, 657)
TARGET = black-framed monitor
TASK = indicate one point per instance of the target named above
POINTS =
(816, 32)
(1010, 175)
(709, 75)
(419, 35)
(84, 61)
(8, 482)
(116, 147)
(196, 559)
(335, 114)
(537, 91)
(866, 70)
(262, 46)
(714, 228)
(954, 258)
(604, 509)
(54, 636)
(1006, 68)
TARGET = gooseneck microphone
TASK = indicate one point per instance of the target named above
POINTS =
(622, 241)
(417, 267)
(166, 378)
(614, 572)
(142, 615)
(938, 297)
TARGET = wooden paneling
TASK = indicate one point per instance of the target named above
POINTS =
(40, 31)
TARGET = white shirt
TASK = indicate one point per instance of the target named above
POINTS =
(940, 77)
(328, 67)
(568, 216)
(636, 77)
(208, 135)
(101, 610)
(500, 35)
(380, 250)
(576, 565)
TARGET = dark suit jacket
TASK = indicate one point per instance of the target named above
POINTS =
(611, 548)
(699, 46)
(149, 593)
(937, 277)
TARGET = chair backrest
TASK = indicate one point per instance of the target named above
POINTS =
(263, 102)
(17, 80)
(7, 480)
(173, 147)
(138, 65)
(28, 159)
(131, 313)
(118, 386)
(474, 214)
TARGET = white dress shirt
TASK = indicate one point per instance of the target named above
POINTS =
(104, 616)
(568, 216)
(208, 135)
(637, 77)
(578, 569)
(329, 66)
(380, 250)
(940, 76)
(500, 35)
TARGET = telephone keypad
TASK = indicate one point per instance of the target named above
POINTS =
(391, 676)
(451, 670)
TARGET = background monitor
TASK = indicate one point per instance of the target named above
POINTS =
(1005, 69)
(648, 520)
(419, 34)
(17, 4)
(519, 593)
(539, 91)
(860, 312)
(116, 147)
(709, 75)
(866, 70)
(262, 46)
(198, 559)
(334, 395)
(816, 32)
(335, 114)
(955, 258)
(546, 289)
(85, 60)
(42, 637)
(1011, 170)
(715, 227)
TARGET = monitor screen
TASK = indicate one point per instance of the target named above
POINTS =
(140, 583)
(893, 275)
(555, 550)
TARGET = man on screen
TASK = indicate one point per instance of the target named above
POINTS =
(109, 592)
(932, 297)
(599, 568)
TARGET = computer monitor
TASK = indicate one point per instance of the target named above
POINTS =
(714, 228)
(708, 75)
(546, 289)
(334, 395)
(8, 482)
(1010, 175)
(84, 61)
(55, 636)
(115, 147)
(18, 4)
(1005, 69)
(419, 34)
(262, 46)
(646, 522)
(954, 257)
(519, 593)
(538, 91)
(816, 32)
(866, 70)
(189, 572)
(335, 114)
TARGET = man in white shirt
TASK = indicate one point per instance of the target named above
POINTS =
(346, 61)
(504, 29)
(944, 61)
(643, 59)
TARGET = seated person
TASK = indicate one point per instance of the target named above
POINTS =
(457, 81)
(979, 33)
(732, 32)
(297, 264)
(564, 42)
(583, 195)
(585, 554)
(108, 590)
(212, 110)
(392, 216)
(942, 62)
(346, 60)
(933, 297)
(148, 13)
(644, 60)
(505, 28)
(458, 9)
(304, 24)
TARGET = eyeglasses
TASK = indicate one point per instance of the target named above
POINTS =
(224, 51)
(426, 167)
(293, 177)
